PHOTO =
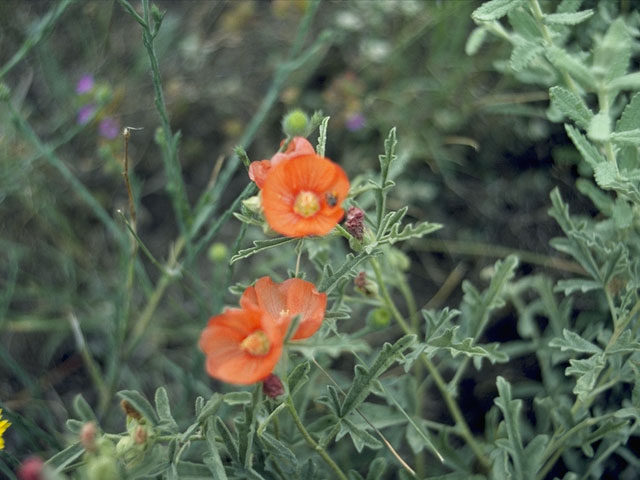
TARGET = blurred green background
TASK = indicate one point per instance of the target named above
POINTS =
(475, 146)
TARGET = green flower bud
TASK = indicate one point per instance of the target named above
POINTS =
(218, 252)
(253, 204)
(399, 260)
(102, 468)
(159, 137)
(295, 123)
(379, 318)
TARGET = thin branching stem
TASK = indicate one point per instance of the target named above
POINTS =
(311, 442)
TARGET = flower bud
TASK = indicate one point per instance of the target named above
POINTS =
(365, 286)
(131, 411)
(218, 252)
(379, 318)
(272, 386)
(31, 469)
(102, 468)
(140, 435)
(295, 123)
(88, 436)
(253, 204)
(355, 222)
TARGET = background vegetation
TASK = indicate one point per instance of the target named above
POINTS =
(480, 148)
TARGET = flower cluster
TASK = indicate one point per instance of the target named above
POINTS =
(243, 345)
(302, 192)
(92, 95)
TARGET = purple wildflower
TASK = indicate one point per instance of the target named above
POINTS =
(109, 128)
(85, 84)
(355, 122)
(85, 113)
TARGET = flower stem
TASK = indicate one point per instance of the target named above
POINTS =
(312, 443)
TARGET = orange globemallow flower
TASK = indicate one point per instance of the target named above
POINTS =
(303, 196)
(283, 301)
(242, 345)
(297, 146)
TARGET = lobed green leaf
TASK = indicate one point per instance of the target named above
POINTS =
(588, 151)
(612, 53)
(83, 410)
(511, 412)
(164, 410)
(298, 377)
(571, 106)
(630, 118)
(359, 436)
(212, 458)
(475, 41)
(494, 9)
(365, 377)
(259, 246)
(572, 18)
(565, 61)
(587, 371)
(466, 346)
(322, 136)
(572, 285)
(574, 342)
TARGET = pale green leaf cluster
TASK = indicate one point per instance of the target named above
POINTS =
(582, 354)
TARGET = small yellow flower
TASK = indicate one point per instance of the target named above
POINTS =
(4, 424)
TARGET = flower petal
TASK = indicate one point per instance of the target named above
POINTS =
(258, 171)
(303, 299)
(221, 342)
(309, 173)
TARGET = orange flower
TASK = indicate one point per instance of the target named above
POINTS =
(303, 196)
(297, 146)
(282, 301)
(242, 345)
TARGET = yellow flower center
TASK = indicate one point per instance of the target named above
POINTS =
(256, 344)
(306, 204)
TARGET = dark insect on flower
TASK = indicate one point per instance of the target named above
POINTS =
(331, 198)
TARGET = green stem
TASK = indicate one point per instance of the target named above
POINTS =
(147, 314)
(175, 183)
(539, 16)
(452, 405)
(312, 443)
(90, 364)
(619, 328)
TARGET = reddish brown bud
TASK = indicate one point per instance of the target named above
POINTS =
(272, 386)
(130, 410)
(31, 469)
(365, 286)
(140, 435)
(88, 436)
(355, 222)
